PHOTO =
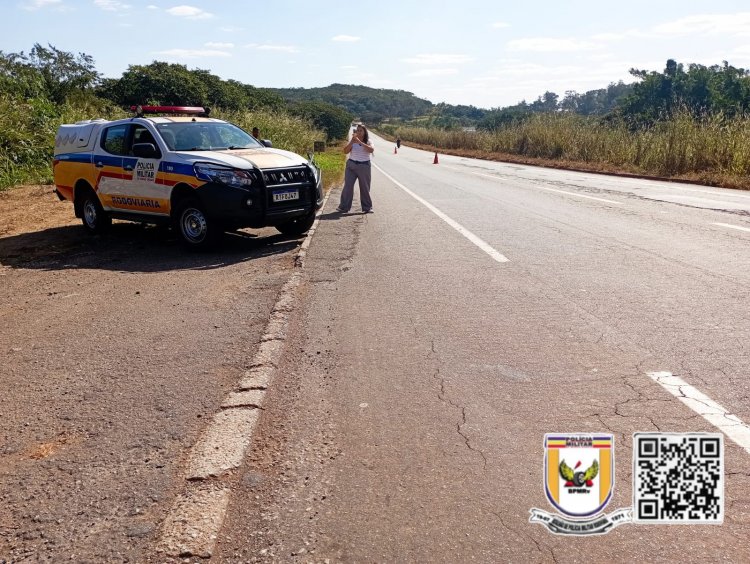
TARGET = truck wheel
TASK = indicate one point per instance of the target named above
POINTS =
(196, 229)
(93, 216)
(297, 226)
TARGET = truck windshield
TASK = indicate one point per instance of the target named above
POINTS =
(205, 136)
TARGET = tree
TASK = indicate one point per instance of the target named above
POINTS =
(700, 90)
(157, 84)
(545, 103)
(334, 120)
(63, 73)
(19, 79)
(169, 84)
(47, 72)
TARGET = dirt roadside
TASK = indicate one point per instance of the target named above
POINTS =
(116, 349)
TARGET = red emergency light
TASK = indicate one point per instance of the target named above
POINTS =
(180, 110)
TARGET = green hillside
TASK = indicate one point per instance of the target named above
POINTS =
(371, 105)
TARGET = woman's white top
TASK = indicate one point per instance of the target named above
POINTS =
(358, 153)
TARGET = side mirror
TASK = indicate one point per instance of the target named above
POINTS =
(266, 142)
(146, 151)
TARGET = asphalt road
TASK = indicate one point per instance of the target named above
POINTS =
(480, 307)
(433, 345)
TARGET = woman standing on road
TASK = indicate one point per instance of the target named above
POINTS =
(360, 152)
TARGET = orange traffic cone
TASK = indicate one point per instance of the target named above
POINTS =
(435, 161)
(395, 150)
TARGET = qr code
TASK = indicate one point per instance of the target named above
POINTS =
(678, 478)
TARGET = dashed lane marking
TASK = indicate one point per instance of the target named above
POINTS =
(486, 247)
(731, 425)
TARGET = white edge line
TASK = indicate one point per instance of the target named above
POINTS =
(553, 189)
(193, 523)
(729, 424)
(499, 257)
(730, 226)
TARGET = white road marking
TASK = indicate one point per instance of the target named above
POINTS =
(193, 524)
(548, 189)
(731, 425)
(730, 226)
(712, 192)
(499, 257)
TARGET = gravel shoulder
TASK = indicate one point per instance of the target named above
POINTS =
(116, 350)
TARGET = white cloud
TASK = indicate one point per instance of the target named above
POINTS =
(500, 25)
(345, 38)
(348, 67)
(621, 36)
(550, 45)
(272, 47)
(39, 4)
(190, 12)
(437, 59)
(152, 7)
(111, 5)
(192, 53)
(708, 24)
(434, 72)
(214, 45)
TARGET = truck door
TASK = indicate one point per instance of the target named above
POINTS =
(108, 156)
(140, 189)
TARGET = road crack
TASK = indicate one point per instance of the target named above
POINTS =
(443, 397)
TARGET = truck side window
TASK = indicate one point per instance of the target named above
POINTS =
(143, 135)
(113, 139)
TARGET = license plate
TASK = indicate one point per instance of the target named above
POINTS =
(286, 196)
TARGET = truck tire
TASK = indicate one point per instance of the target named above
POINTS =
(196, 229)
(297, 226)
(95, 220)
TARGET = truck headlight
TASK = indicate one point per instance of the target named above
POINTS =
(233, 177)
(315, 171)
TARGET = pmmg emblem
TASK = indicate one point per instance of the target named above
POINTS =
(578, 481)
(579, 473)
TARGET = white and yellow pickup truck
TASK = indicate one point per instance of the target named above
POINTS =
(202, 175)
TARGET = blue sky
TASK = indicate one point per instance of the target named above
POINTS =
(485, 53)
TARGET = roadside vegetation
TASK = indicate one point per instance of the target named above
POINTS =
(688, 123)
(47, 87)
(711, 149)
(332, 163)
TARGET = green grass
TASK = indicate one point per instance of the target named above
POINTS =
(27, 135)
(332, 164)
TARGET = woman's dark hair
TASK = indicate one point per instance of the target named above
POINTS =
(366, 137)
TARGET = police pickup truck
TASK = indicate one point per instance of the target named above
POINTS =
(202, 175)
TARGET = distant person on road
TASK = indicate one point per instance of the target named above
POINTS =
(398, 142)
(360, 152)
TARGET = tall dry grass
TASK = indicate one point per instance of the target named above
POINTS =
(285, 131)
(682, 146)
